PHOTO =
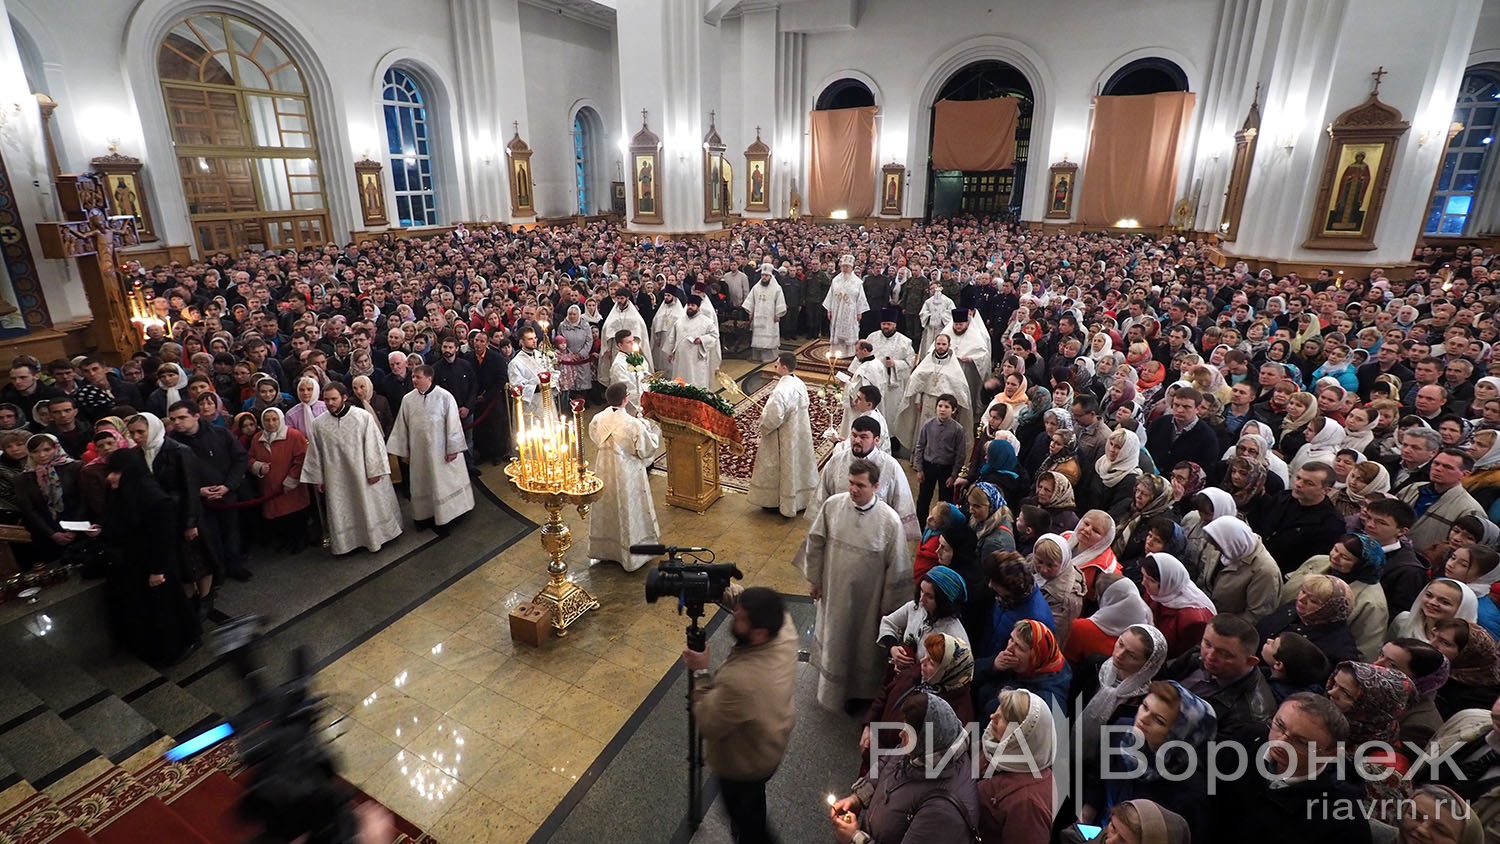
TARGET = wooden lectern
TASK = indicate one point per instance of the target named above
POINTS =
(694, 432)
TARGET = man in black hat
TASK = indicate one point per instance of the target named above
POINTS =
(696, 353)
(664, 328)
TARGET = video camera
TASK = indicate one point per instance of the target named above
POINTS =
(693, 584)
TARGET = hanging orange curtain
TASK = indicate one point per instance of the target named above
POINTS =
(974, 135)
(1131, 171)
(843, 162)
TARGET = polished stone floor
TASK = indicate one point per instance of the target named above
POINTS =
(477, 738)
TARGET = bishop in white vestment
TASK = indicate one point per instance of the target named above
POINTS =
(970, 340)
(895, 352)
(696, 355)
(429, 435)
(346, 460)
(936, 314)
(766, 305)
(623, 514)
(895, 489)
(786, 469)
(845, 304)
(858, 570)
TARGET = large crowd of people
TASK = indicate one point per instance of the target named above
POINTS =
(1186, 505)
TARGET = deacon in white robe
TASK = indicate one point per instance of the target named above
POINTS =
(347, 462)
(525, 371)
(936, 314)
(664, 329)
(845, 304)
(970, 341)
(633, 377)
(623, 515)
(858, 570)
(766, 305)
(623, 315)
(938, 373)
(866, 441)
(697, 355)
(429, 435)
(786, 469)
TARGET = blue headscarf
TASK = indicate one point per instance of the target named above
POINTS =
(953, 514)
(1195, 725)
(1371, 560)
(950, 582)
(991, 492)
(999, 458)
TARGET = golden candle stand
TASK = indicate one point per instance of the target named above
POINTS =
(551, 471)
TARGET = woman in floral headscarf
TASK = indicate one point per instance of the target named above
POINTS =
(1366, 481)
(1475, 673)
(1054, 493)
(1032, 661)
(1321, 613)
(1245, 480)
(1152, 497)
(1302, 409)
(1188, 479)
(946, 669)
(1174, 776)
(1357, 560)
(1373, 699)
(991, 520)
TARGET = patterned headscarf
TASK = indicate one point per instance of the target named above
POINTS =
(1478, 662)
(1113, 689)
(1046, 657)
(46, 473)
(1336, 606)
(1371, 560)
(992, 494)
(1255, 481)
(1062, 492)
(955, 670)
(1197, 478)
(1195, 725)
(1384, 695)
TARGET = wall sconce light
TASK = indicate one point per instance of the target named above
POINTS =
(113, 143)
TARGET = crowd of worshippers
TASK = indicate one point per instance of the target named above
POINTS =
(1189, 506)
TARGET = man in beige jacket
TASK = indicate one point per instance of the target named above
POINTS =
(745, 710)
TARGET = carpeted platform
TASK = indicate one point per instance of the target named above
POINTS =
(637, 789)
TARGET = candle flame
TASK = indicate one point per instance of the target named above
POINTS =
(832, 800)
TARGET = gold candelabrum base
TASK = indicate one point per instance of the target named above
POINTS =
(564, 599)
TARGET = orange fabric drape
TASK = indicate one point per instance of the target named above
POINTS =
(974, 135)
(843, 162)
(1131, 170)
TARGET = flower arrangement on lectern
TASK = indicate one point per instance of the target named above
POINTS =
(549, 469)
(693, 407)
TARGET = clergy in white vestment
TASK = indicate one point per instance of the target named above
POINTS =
(937, 374)
(895, 352)
(786, 469)
(429, 436)
(623, 515)
(633, 375)
(936, 314)
(766, 305)
(624, 314)
(347, 462)
(664, 329)
(970, 341)
(525, 370)
(845, 304)
(894, 489)
(696, 355)
(866, 405)
(858, 570)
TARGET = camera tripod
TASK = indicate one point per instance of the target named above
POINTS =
(697, 640)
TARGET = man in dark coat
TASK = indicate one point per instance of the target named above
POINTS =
(1224, 670)
(220, 471)
(1180, 436)
(1300, 522)
(490, 430)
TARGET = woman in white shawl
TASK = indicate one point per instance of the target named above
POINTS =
(1201, 557)
(1089, 546)
(1140, 651)
(171, 387)
(1325, 439)
(1439, 600)
(1359, 429)
(1059, 580)
(1101, 345)
(307, 408)
(1111, 486)
(1257, 449)
(1247, 581)
(1016, 791)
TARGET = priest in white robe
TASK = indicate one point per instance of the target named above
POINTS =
(866, 405)
(938, 373)
(864, 442)
(624, 314)
(845, 304)
(429, 436)
(697, 354)
(895, 352)
(858, 570)
(622, 371)
(970, 341)
(935, 316)
(766, 305)
(786, 469)
(346, 461)
(525, 371)
(664, 329)
(623, 515)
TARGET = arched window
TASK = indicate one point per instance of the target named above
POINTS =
(1453, 201)
(409, 144)
(983, 192)
(1146, 76)
(244, 136)
(845, 93)
(581, 161)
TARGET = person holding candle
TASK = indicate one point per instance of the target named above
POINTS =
(429, 435)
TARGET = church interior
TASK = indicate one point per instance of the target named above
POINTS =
(141, 134)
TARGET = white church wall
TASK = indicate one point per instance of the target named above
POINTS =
(1062, 46)
(567, 63)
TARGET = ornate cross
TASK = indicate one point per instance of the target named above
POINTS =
(711, 117)
(643, 118)
(1380, 73)
(516, 124)
(757, 133)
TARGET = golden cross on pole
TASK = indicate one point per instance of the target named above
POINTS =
(1379, 74)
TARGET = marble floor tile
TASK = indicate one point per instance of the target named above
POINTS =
(559, 747)
(494, 716)
(414, 789)
(360, 751)
(394, 716)
(460, 751)
(526, 686)
(474, 661)
(475, 817)
(433, 685)
(524, 786)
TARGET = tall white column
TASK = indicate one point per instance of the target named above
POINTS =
(791, 146)
(758, 94)
(491, 99)
(660, 66)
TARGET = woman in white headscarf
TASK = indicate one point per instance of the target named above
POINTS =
(1247, 580)
(1325, 438)
(1200, 556)
(1111, 486)
(1139, 652)
(1020, 746)
(1442, 599)
(171, 387)
(308, 407)
(1182, 610)
(1120, 606)
(1101, 345)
